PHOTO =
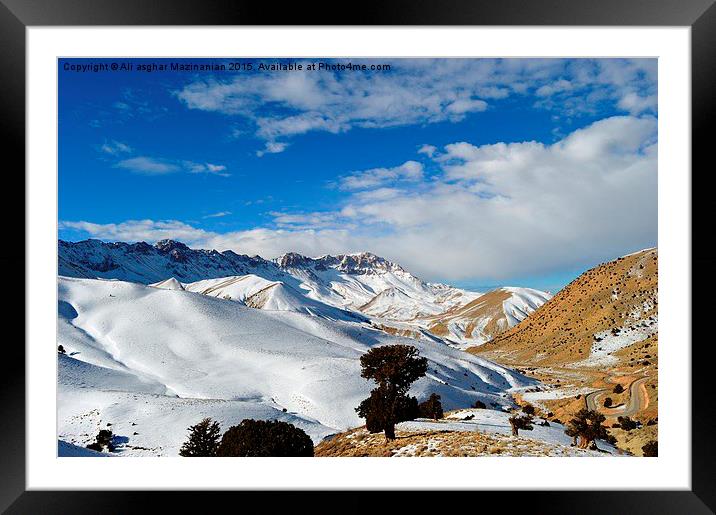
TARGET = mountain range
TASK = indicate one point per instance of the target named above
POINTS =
(156, 337)
(359, 286)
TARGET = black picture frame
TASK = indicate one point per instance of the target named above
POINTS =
(16, 15)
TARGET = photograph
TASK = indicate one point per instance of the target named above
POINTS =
(357, 257)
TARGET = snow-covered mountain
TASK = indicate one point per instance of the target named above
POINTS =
(151, 361)
(342, 287)
(372, 285)
(257, 292)
(487, 316)
(146, 264)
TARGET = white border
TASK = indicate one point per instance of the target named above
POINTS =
(670, 470)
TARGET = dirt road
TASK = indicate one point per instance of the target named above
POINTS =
(637, 398)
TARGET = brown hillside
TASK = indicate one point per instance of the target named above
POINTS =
(360, 443)
(486, 309)
(599, 331)
(618, 297)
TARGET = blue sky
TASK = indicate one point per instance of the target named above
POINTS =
(475, 172)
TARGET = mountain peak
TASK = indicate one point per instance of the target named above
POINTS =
(355, 263)
(169, 245)
(293, 260)
(366, 262)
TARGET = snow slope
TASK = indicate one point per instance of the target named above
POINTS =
(164, 358)
(372, 285)
(521, 303)
(493, 421)
(358, 285)
(68, 450)
(260, 293)
(487, 316)
(169, 284)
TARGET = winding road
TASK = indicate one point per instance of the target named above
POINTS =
(636, 396)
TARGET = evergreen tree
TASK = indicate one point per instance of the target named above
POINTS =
(518, 422)
(431, 408)
(103, 439)
(203, 439)
(394, 368)
(586, 427)
(265, 438)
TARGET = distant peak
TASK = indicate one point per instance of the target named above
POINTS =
(366, 262)
(293, 260)
(354, 263)
(169, 245)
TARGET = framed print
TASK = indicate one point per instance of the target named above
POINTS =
(428, 250)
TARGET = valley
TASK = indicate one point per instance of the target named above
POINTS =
(600, 331)
(209, 334)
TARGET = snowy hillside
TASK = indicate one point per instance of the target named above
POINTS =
(343, 287)
(487, 316)
(257, 292)
(150, 361)
(372, 285)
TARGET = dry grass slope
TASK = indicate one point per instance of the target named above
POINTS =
(360, 443)
(562, 330)
(486, 307)
(554, 344)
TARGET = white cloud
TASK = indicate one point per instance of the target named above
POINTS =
(206, 168)
(220, 214)
(147, 165)
(410, 171)
(139, 230)
(428, 150)
(554, 87)
(215, 168)
(113, 147)
(420, 91)
(466, 105)
(636, 104)
(272, 147)
(378, 194)
(494, 212)
(278, 106)
(313, 220)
